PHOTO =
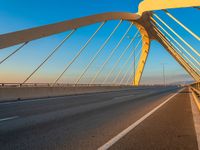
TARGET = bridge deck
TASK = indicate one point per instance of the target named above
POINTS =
(89, 121)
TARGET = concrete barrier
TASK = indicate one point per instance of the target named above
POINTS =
(21, 93)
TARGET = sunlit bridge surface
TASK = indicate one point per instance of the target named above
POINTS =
(78, 84)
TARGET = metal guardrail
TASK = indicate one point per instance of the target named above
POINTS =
(7, 85)
(196, 87)
(3, 85)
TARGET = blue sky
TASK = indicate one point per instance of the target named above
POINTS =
(17, 15)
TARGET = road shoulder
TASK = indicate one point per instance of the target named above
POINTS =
(170, 127)
(196, 118)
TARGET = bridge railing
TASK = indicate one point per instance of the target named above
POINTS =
(8, 85)
(18, 85)
(196, 87)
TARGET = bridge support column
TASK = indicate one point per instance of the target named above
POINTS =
(143, 56)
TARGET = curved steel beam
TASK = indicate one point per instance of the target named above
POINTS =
(10, 39)
(18, 37)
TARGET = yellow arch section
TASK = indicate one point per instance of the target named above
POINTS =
(150, 5)
(144, 54)
(14, 38)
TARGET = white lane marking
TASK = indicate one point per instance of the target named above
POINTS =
(135, 124)
(8, 118)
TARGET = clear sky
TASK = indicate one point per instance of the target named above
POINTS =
(17, 15)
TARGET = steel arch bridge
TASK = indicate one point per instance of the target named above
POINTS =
(146, 21)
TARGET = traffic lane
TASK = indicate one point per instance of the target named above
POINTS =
(87, 130)
(50, 104)
(170, 127)
(31, 120)
(39, 106)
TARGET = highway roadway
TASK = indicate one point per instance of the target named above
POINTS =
(131, 118)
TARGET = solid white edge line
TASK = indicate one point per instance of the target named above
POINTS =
(131, 127)
(8, 118)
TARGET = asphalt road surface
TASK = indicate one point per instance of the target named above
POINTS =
(89, 121)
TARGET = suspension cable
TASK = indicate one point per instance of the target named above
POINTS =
(133, 72)
(176, 41)
(98, 52)
(169, 45)
(182, 25)
(111, 54)
(119, 59)
(127, 60)
(132, 64)
(13, 52)
(176, 48)
(180, 52)
(79, 52)
(177, 35)
(49, 56)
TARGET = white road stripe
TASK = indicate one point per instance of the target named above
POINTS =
(8, 118)
(135, 124)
